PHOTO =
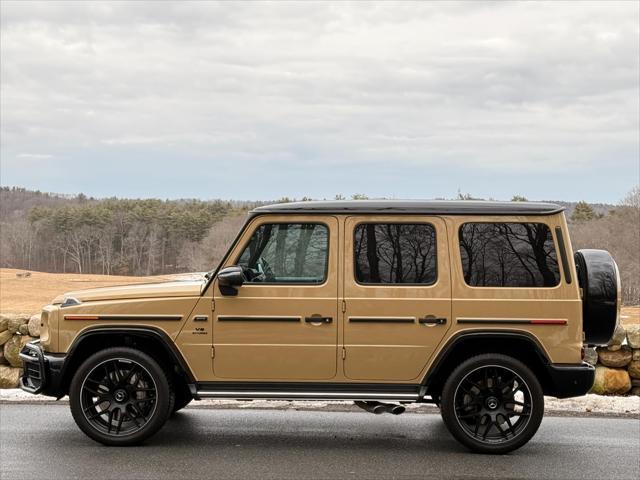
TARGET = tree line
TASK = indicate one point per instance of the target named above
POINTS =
(110, 236)
(65, 233)
(617, 231)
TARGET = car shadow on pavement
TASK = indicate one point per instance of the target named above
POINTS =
(358, 432)
(210, 431)
(186, 427)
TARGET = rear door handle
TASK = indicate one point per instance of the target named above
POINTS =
(318, 319)
(431, 320)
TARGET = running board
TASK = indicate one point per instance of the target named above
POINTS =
(242, 395)
(305, 391)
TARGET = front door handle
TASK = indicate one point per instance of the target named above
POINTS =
(318, 319)
(432, 320)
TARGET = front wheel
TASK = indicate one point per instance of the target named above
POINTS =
(492, 403)
(120, 396)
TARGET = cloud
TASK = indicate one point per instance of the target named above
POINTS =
(456, 92)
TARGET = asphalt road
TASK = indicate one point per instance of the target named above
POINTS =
(42, 441)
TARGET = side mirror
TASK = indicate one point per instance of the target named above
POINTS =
(229, 279)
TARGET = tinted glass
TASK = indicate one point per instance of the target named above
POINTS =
(508, 255)
(395, 253)
(286, 253)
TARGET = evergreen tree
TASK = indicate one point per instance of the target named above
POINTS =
(583, 212)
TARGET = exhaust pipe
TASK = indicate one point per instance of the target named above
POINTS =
(372, 407)
(393, 409)
(378, 407)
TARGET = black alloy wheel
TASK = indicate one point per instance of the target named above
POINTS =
(120, 396)
(492, 404)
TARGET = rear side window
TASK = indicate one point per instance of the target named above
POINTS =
(395, 253)
(287, 253)
(508, 255)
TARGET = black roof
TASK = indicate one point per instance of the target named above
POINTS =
(423, 207)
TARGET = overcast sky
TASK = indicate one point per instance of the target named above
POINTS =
(261, 101)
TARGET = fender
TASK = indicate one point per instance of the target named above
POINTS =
(149, 332)
(439, 365)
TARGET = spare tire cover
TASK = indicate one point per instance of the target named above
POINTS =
(600, 282)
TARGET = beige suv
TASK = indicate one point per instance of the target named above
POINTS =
(478, 307)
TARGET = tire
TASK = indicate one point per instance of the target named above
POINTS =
(499, 391)
(120, 396)
(599, 279)
(182, 397)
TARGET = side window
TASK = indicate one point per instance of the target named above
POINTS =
(395, 253)
(286, 253)
(508, 255)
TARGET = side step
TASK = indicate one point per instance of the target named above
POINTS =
(306, 391)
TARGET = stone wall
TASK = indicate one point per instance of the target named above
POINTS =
(617, 364)
(15, 331)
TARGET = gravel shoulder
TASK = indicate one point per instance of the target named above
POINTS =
(588, 405)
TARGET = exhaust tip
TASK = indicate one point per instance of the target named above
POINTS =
(377, 407)
(396, 409)
(372, 407)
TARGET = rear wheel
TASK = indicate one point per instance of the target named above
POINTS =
(120, 396)
(492, 403)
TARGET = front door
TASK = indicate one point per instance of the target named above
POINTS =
(397, 294)
(282, 324)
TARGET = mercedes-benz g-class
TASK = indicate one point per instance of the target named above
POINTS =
(478, 307)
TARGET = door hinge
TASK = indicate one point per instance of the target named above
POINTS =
(213, 351)
(344, 353)
(344, 306)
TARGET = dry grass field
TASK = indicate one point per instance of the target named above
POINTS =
(630, 316)
(28, 295)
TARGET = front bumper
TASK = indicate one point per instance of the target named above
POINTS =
(571, 380)
(42, 371)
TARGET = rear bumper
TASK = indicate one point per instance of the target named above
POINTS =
(42, 371)
(569, 380)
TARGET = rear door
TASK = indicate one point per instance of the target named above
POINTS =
(282, 324)
(397, 294)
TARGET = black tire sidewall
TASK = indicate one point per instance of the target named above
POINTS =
(448, 403)
(163, 396)
(598, 277)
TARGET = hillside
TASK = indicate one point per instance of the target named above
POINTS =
(142, 237)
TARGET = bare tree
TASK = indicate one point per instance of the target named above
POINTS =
(207, 254)
(619, 233)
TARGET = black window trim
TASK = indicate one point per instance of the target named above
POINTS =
(555, 246)
(566, 268)
(288, 284)
(394, 285)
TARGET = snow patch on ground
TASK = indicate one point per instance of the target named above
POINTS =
(592, 403)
